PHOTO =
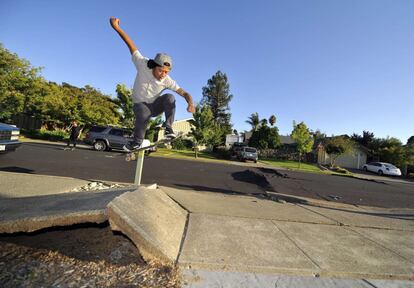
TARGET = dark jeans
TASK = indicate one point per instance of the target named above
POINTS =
(71, 141)
(144, 111)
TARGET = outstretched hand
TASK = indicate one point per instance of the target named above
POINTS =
(115, 22)
(191, 108)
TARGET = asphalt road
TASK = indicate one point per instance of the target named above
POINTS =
(111, 166)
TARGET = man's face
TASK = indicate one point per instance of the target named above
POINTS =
(160, 72)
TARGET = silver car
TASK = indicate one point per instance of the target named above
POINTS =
(248, 153)
(382, 168)
(106, 138)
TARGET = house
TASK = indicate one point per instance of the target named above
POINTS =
(180, 127)
(286, 140)
(354, 159)
(231, 139)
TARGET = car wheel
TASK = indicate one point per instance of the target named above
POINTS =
(380, 173)
(99, 145)
(365, 169)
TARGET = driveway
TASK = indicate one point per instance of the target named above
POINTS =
(373, 176)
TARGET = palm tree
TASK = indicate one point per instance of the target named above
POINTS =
(272, 120)
(254, 121)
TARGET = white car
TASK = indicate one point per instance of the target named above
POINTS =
(382, 168)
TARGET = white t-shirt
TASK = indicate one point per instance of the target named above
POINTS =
(146, 87)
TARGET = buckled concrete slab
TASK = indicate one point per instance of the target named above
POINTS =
(33, 213)
(17, 185)
(152, 220)
(243, 206)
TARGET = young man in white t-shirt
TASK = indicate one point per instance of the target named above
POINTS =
(151, 80)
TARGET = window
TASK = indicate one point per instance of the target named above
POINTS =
(117, 132)
(97, 129)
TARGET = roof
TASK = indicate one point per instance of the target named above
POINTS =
(286, 139)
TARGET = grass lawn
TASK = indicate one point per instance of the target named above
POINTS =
(187, 154)
(203, 156)
(292, 165)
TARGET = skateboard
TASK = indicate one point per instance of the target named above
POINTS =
(132, 156)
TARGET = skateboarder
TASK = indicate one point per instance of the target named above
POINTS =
(151, 80)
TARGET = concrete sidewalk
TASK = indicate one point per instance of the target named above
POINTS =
(244, 241)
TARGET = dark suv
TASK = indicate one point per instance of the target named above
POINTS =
(106, 137)
(9, 138)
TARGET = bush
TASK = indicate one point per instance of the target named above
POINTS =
(182, 144)
(410, 175)
(340, 170)
(222, 153)
(55, 135)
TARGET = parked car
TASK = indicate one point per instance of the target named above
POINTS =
(9, 138)
(247, 153)
(236, 149)
(106, 137)
(382, 168)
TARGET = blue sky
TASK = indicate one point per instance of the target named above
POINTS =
(339, 66)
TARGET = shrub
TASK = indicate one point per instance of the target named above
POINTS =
(55, 135)
(222, 153)
(340, 170)
(182, 144)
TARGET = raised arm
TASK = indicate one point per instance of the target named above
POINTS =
(115, 24)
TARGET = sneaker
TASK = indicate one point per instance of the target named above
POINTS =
(169, 133)
(131, 146)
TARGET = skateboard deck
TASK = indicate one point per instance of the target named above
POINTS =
(132, 156)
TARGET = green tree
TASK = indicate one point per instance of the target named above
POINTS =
(337, 146)
(410, 141)
(265, 138)
(254, 121)
(217, 96)
(19, 84)
(303, 138)
(272, 120)
(22, 89)
(89, 106)
(153, 128)
(391, 150)
(366, 138)
(204, 129)
(318, 136)
(124, 102)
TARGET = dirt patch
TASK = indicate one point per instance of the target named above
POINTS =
(79, 256)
